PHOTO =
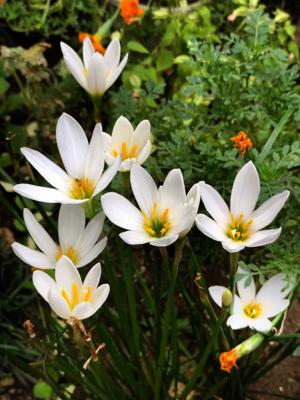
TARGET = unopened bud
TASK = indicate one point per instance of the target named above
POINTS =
(226, 298)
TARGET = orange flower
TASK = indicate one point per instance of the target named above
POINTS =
(95, 39)
(228, 360)
(242, 142)
(130, 10)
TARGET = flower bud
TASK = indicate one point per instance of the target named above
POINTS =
(226, 298)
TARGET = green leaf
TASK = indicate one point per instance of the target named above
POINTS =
(164, 60)
(137, 47)
(41, 390)
(4, 85)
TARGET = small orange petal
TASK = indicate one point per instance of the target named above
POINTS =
(228, 360)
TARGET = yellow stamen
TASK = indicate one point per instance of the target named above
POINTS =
(75, 294)
(87, 294)
(232, 220)
(253, 310)
(133, 150)
(165, 214)
(238, 229)
(124, 151)
(82, 188)
(153, 215)
(66, 297)
(72, 254)
(147, 221)
(240, 219)
(59, 254)
(115, 153)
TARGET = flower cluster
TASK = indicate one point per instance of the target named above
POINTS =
(163, 214)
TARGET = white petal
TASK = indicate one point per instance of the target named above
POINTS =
(114, 75)
(135, 237)
(232, 247)
(194, 195)
(260, 324)
(141, 134)
(83, 310)
(122, 133)
(92, 278)
(216, 293)
(31, 257)
(58, 304)
(262, 238)
(173, 190)
(42, 239)
(100, 295)
(87, 50)
(47, 195)
(71, 223)
(182, 218)
(237, 321)
(214, 204)
(247, 294)
(121, 212)
(245, 191)
(108, 176)
(72, 145)
(143, 187)
(74, 64)
(144, 154)
(51, 172)
(93, 253)
(112, 55)
(96, 75)
(107, 143)
(91, 233)
(95, 157)
(267, 212)
(209, 227)
(43, 283)
(66, 274)
(164, 241)
(271, 295)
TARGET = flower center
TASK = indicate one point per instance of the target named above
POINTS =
(253, 310)
(82, 188)
(71, 252)
(238, 229)
(76, 295)
(157, 225)
(126, 153)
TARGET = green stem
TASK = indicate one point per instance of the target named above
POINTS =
(97, 103)
(201, 364)
(167, 318)
(234, 259)
(89, 209)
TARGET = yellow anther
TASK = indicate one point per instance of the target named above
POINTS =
(87, 294)
(72, 254)
(115, 153)
(149, 230)
(232, 220)
(239, 220)
(237, 229)
(133, 150)
(59, 253)
(147, 221)
(82, 188)
(124, 151)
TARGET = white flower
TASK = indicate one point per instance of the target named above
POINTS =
(67, 295)
(240, 226)
(165, 213)
(254, 310)
(83, 161)
(76, 241)
(134, 146)
(97, 72)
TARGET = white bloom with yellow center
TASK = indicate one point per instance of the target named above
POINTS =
(254, 310)
(78, 242)
(166, 213)
(67, 295)
(133, 145)
(97, 72)
(240, 226)
(83, 161)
